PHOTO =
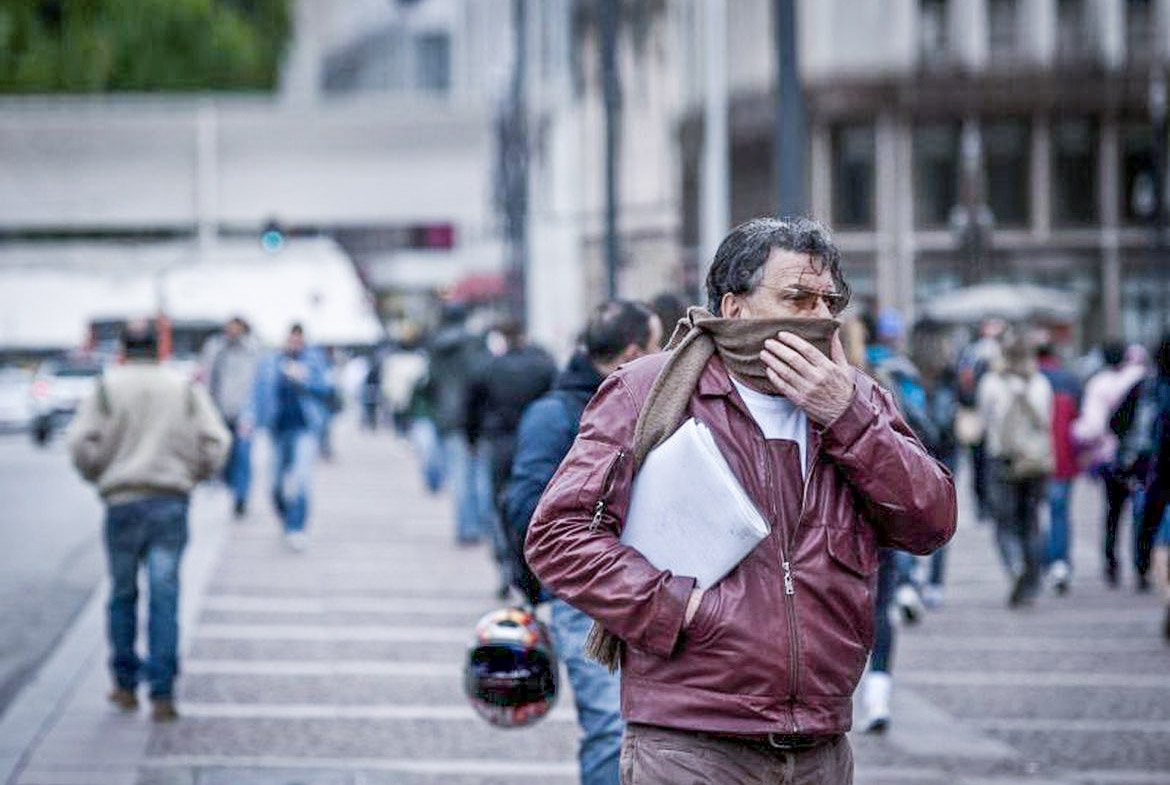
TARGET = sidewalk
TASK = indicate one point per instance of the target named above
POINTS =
(342, 665)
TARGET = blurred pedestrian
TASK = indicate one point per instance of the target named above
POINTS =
(618, 332)
(497, 394)
(228, 367)
(454, 357)
(334, 401)
(1147, 456)
(750, 677)
(1016, 405)
(974, 361)
(1107, 410)
(1066, 399)
(291, 400)
(145, 437)
(897, 585)
(670, 308)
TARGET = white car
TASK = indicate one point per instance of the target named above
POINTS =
(57, 389)
(16, 409)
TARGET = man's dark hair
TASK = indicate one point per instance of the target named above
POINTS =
(739, 262)
(670, 308)
(140, 341)
(1046, 351)
(1162, 357)
(1113, 353)
(615, 325)
(296, 329)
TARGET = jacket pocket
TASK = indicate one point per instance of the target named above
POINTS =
(597, 492)
(706, 621)
(853, 549)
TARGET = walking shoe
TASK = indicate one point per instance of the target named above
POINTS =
(164, 710)
(240, 510)
(932, 596)
(1059, 574)
(1142, 583)
(1166, 625)
(1020, 595)
(124, 699)
(1111, 578)
(909, 603)
(297, 541)
(876, 699)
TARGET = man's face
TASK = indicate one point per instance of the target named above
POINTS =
(234, 330)
(295, 343)
(794, 286)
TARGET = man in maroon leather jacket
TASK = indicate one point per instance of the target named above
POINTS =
(755, 675)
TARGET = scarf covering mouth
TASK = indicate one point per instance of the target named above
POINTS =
(697, 336)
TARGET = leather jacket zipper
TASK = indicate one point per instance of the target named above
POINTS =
(606, 487)
(789, 590)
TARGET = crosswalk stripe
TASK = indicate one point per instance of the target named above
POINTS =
(1142, 681)
(310, 632)
(316, 711)
(226, 667)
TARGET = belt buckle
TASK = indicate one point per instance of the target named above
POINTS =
(781, 742)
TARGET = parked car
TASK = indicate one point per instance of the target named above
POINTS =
(57, 389)
(16, 411)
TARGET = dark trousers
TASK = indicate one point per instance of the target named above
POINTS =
(1116, 494)
(882, 657)
(1017, 523)
(1157, 497)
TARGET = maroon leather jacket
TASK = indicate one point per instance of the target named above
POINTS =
(769, 649)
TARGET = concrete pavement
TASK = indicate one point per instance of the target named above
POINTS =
(342, 665)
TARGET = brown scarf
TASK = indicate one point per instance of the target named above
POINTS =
(699, 335)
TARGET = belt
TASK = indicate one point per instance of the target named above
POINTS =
(775, 742)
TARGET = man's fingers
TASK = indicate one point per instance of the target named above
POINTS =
(783, 387)
(780, 367)
(806, 350)
(787, 354)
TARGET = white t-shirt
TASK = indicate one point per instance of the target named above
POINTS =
(778, 418)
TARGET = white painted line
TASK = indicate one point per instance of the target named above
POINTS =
(450, 766)
(1073, 726)
(1142, 681)
(343, 604)
(353, 632)
(563, 712)
(446, 669)
(970, 643)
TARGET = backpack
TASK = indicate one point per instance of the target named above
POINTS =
(1025, 440)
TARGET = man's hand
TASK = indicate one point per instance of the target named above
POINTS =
(692, 606)
(821, 386)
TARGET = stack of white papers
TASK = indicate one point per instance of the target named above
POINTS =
(688, 513)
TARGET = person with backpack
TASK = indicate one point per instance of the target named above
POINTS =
(1107, 410)
(1066, 398)
(145, 437)
(1016, 405)
(618, 332)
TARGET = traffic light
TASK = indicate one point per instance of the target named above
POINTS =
(272, 238)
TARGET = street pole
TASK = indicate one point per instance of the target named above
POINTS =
(515, 166)
(790, 141)
(611, 89)
(1157, 99)
(716, 177)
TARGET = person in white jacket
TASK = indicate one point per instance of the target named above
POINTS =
(1104, 395)
(1016, 405)
(145, 437)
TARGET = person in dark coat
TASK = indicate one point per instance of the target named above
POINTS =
(618, 332)
(497, 395)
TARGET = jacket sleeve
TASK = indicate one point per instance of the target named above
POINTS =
(90, 438)
(908, 495)
(573, 545)
(213, 440)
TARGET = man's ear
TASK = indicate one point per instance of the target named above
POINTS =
(731, 307)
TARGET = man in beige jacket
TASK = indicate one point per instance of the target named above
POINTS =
(145, 437)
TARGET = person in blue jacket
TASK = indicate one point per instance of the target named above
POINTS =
(291, 400)
(618, 332)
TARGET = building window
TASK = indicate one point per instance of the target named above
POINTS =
(1139, 198)
(854, 157)
(433, 62)
(1072, 31)
(1003, 28)
(1074, 172)
(932, 39)
(936, 173)
(1139, 30)
(1006, 148)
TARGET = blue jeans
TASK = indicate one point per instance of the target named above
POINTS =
(238, 470)
(1059, 546)
(598, 696)
(293, 455)
(150, 531)
(471, 488)
(424, 437)
(882, 657)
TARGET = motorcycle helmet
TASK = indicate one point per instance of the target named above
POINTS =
(511, 672)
